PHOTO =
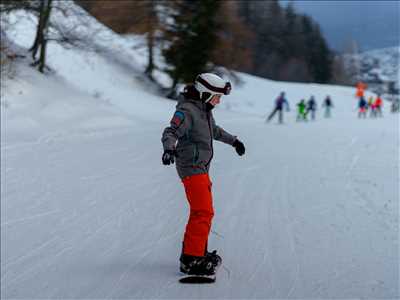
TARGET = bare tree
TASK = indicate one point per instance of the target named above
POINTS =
(352, 60)
(147, 17)
(41, 38)
(233, 50)
(51, 28)
(152, 25)
(140, 17)
(340, 75)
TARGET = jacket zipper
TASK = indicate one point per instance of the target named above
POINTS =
(196, 154)
(211, 142)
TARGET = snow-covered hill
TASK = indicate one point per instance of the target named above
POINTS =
(385, 63)
(88, 211)
(379, 68)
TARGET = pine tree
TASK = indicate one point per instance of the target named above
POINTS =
(192, 37)
(288, 46)
(319, 57)
(323, 59)
(289, 33)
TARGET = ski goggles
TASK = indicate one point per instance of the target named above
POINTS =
(226, 90)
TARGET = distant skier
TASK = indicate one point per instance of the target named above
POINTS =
(362, 108)
(361, 87)
(372, 109)
(378, 106)
(328, 104)
(189, 141)
(301, 111)
(312, 107)
(279, 103)
(395, 107)
(370, 102)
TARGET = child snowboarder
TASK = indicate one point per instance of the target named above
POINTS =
(328, 105)
(301, 111)
(188, 141)
(279, 103)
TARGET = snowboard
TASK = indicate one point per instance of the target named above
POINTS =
(197, 279)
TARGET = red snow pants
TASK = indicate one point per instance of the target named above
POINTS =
(198, 194)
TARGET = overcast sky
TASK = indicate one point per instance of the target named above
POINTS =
(373, 24)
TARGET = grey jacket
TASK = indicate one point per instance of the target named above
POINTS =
(191, 133)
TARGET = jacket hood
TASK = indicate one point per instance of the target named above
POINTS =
(190, 94)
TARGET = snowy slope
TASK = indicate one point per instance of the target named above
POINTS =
(88, 211)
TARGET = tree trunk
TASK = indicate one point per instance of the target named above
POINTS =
(40, 42)
(150, 48)
(43, 47)
(151, 19)
(39, 31)
(42, 59)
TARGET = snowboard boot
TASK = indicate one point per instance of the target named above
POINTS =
(215, 258)
(198, 265)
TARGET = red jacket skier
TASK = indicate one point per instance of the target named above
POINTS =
(378, 106)
(188, 141)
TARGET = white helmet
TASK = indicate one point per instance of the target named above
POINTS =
(209, 84)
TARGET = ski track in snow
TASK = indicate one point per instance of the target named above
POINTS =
(290, 230)
(29, 218)
(122, 216)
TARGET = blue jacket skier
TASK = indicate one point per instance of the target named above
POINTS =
(312, 106)
(362, 107)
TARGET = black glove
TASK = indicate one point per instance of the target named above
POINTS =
(169, 157)
(239, 147)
